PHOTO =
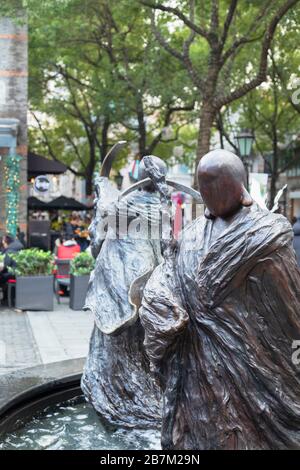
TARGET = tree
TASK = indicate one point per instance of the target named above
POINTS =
(119, 31)
(72, 102)
(223, 45)
(97, 77)
(286, 64)
(275, 124)
(73, 123)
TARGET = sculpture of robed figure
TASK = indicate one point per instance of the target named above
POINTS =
(221, 314)
(117, 379)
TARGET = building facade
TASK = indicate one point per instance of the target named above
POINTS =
(66, 184)
(293, 182)
(13, 119)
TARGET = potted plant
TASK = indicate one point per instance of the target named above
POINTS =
(1, 262)
(33, 269)
(80, 269)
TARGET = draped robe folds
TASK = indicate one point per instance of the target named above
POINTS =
(117, 379)
(220, 317)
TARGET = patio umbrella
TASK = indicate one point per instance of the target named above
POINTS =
(38, 165)
(66, 203)
(34, 203)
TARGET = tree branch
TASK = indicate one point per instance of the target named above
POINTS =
(228, 21)
(186, 51)
(170, 111)
(223, 132)
(175, 11)
(214, 18)
(262, 72)
(50, 148)
(183, 57)
(67, 75)
(75, 148)
(163, 42)
(290, 164)
(246, 39)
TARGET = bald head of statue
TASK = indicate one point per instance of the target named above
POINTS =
(222, 182)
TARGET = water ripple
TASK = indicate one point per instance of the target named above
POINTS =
(75, 425)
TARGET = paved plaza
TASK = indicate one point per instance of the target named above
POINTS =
(31, 338)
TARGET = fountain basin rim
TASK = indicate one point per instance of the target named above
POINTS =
(23, 407)
(28, 393)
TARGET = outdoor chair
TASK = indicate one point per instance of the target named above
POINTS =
(61, 276)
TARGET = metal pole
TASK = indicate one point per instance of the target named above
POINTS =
(247, 175)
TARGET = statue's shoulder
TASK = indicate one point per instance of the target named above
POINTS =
(278, 218)
(269, 218)
(265, 228)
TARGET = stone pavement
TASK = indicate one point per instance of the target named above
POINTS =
(31, 338)
(17, 346)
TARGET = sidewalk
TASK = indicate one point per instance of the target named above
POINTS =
(31, 338)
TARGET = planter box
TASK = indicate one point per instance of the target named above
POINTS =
(78, 290)
(34, 293)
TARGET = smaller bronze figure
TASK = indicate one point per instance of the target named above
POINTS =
(117, 379)
(220, 315)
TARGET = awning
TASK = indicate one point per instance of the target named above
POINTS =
(35, 204)
(60, 203)
(66, 203)
(38, 165)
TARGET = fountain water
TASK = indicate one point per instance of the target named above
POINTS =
(74, 424)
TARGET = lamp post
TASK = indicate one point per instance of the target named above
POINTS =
(244, 141)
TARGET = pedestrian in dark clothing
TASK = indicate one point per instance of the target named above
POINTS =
(296, 229)
(10, 245)
(21, 237)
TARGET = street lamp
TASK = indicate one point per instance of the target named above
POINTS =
(244, 141)
(119, 180)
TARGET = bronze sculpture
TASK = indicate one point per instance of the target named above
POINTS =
(117, 379)
(220, 316)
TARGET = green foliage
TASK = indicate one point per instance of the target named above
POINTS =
(12, 8)
(1, 258)
(98, 76)
(273, 117)
(99, 73)
(274, 121)
(32, 262)
(82, 264)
